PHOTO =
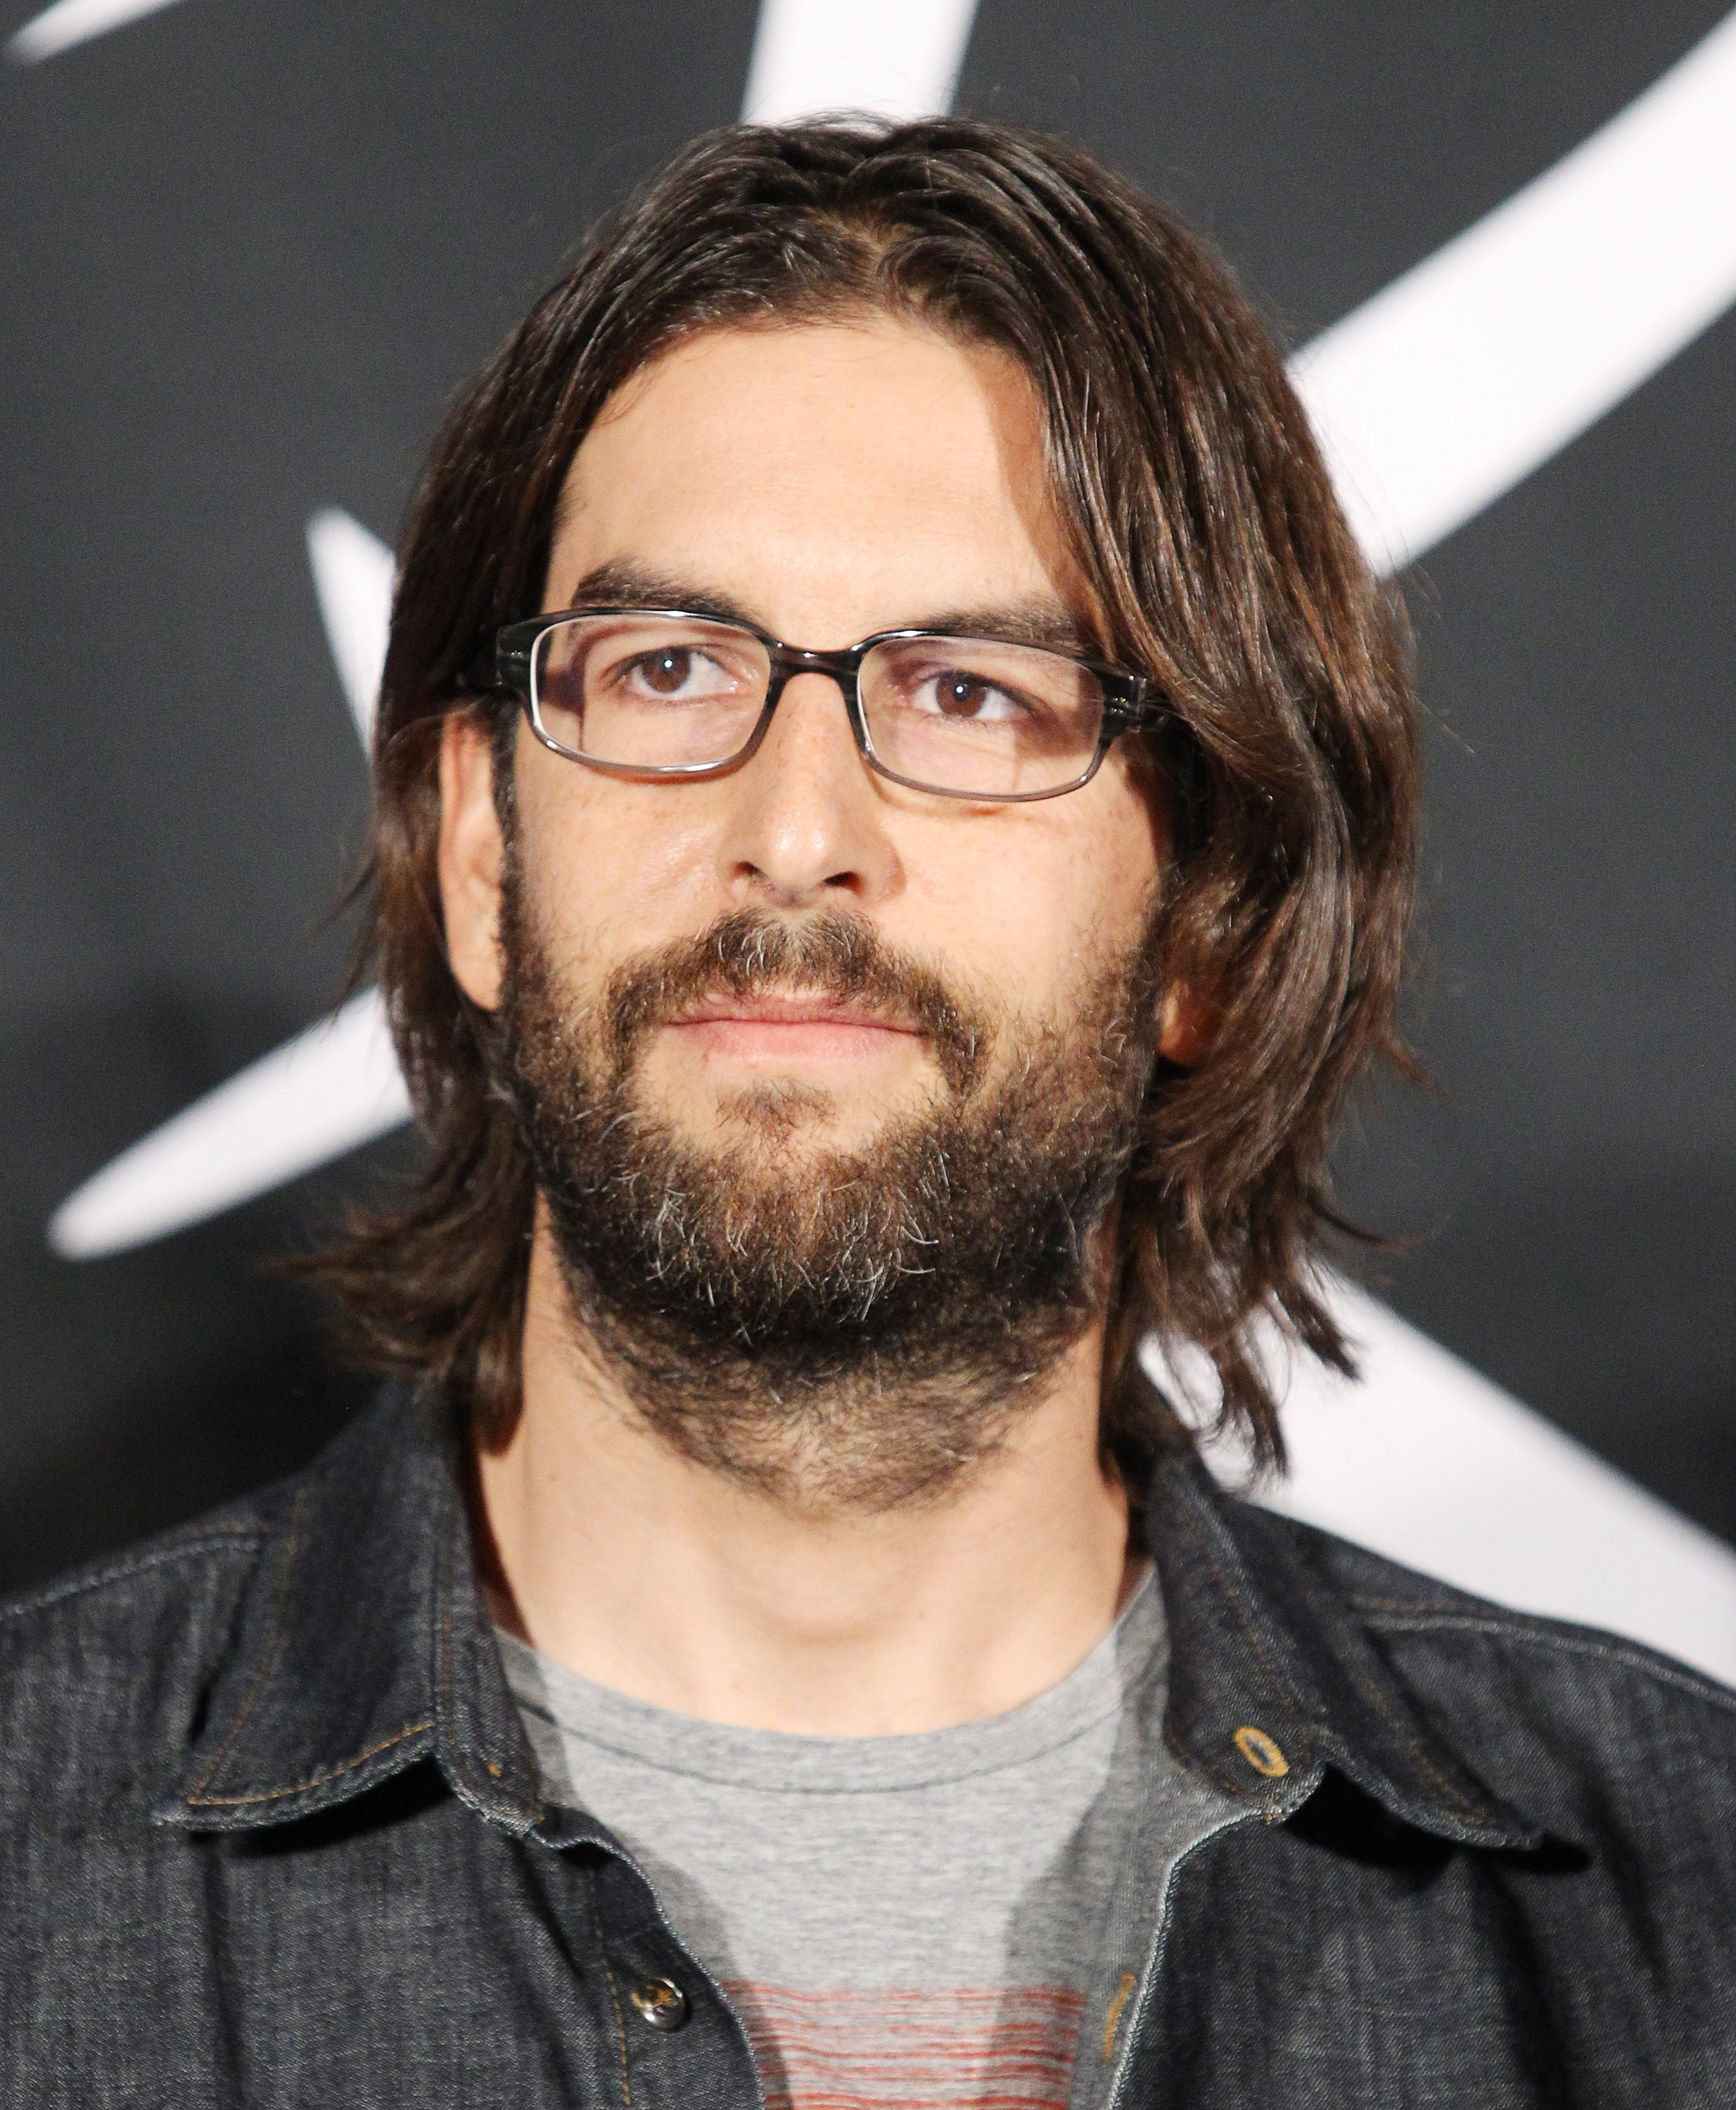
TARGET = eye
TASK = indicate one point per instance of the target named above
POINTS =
(955, 693)
(674, 674)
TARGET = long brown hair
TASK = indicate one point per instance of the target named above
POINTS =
(1199, 512)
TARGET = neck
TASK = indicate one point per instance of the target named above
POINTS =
(695, 1590)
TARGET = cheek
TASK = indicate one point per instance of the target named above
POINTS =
(609, 867)
(1036, 898)
(1122, 854)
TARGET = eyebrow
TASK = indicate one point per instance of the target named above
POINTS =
(1045, 623)
(624, 584)
(1049, 625)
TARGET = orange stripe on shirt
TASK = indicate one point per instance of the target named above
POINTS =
(905, 2048)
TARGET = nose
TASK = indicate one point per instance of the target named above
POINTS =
(806, 822)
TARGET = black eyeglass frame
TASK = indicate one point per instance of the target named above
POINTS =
(1127, 704)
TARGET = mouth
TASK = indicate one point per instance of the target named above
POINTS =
(779, 1030)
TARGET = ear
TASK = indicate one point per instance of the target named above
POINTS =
(472, 854)
(1187, 1025)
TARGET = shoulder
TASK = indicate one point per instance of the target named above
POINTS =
(109, 1662)
(1407, 1607)
(1565, 1721)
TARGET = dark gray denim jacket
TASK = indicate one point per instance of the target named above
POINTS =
(270, 1832)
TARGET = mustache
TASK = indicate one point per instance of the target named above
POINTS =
(751, 952)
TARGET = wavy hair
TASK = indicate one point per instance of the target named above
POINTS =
(1181, 464)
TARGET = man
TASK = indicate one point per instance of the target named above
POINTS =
(896, 797)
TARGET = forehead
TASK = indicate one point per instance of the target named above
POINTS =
(854, 471)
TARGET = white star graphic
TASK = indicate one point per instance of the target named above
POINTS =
(70, 22)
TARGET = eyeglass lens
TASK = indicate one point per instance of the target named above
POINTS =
(656, 692)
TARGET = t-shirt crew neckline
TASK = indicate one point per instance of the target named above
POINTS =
(791, 1761)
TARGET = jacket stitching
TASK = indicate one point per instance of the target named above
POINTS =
(77, 1586)
(1394, 1604)
(1287, 1699)
(1371, 1692)
(478, 1790)
(614, 1995)
(454, 1754)
(1635, 1656)
(266, 1655)
(317, 1780)
(1377, 1700)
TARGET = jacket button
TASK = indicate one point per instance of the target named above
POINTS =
(660, 2002)
(1261, 1752)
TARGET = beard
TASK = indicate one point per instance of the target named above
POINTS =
(838, 1327)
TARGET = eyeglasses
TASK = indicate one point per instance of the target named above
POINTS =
(651, 692)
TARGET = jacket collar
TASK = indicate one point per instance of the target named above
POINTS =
(1271, 1680)
(363, 1646)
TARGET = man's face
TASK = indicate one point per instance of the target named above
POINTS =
(824, 1079)
(828, 482)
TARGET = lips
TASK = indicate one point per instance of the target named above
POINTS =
(774, 1029)
(762, 988)
(771, 1010)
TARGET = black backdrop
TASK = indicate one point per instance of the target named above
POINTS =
(247, 249)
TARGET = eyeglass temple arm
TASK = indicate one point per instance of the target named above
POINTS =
(1131, 702)
(513, 650)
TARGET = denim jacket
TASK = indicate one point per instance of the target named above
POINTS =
(271, 1832)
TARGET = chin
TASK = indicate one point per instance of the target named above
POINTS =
(790, 1110)
(779, 1109)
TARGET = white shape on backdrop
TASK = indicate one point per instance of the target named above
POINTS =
(898, 58)
(333, 1088)
(318, 1095)
(354, 578)
(69, 22)
(1423, 1460)
(1460, 378)
(1426, 1461)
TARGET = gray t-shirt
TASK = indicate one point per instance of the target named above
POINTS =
(945, 1918)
